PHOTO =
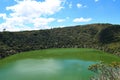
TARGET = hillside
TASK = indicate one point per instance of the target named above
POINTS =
(104, 37)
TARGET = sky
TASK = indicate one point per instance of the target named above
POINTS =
(20, 15)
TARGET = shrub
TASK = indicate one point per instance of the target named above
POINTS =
(106, 71)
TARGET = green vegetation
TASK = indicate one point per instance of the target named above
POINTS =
(105, 37)
(64, 53)
(106, 71)
(92, 42)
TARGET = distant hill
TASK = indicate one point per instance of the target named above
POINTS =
(104, 37)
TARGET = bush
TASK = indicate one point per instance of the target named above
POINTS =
(106, 71)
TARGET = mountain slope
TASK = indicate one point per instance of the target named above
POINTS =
(105, 37)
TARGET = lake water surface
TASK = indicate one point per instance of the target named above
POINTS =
(47, 69)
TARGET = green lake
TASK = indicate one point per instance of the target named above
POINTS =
(46, 69)
(53, 64)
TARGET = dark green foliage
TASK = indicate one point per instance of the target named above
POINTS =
(110, 34)
(98, 36)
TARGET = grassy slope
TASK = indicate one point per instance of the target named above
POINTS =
(64, 53)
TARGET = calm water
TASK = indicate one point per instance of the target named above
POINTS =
(46, 69)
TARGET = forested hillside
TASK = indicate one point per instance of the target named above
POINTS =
(104, 37)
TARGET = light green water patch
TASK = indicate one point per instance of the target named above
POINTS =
(47, 69)
(64, 53)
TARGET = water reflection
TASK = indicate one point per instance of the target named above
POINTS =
(46, 69)
(44, 66)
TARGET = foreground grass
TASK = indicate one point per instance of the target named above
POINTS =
(64, 53)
